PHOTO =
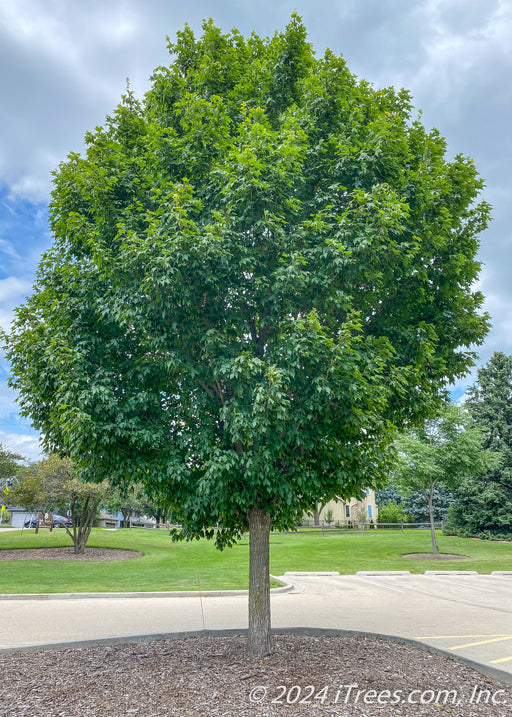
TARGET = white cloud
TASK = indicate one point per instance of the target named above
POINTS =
(500, 309)
(12, 289)
(8, 406)
(12, 292)
(67, 68)
(6, 247)
(66, 32)
(26, 446)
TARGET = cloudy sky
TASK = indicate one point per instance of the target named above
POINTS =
(64, 64)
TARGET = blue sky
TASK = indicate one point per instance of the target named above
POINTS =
(64, 66)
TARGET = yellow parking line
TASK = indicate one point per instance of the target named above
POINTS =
(481, 642)
(502, 659)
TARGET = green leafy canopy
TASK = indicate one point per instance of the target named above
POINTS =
(441, 453)
(259, 272)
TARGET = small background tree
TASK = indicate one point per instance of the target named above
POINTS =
(316, 512)
(41, 486)
(156, 511)
(441, 453)
(84, 501)
(415, 504)
(50, 486)
(388, 494)
(9, 469)
(126, 500)
(393, 513)
(9, 464)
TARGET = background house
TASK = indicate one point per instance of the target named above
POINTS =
(340, 512)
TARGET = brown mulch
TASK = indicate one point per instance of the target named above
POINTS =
(68, 554)
(213, 676)
(431, 556)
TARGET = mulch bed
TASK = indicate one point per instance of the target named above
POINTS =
(68, 554)
(213, 676)
(431, 556)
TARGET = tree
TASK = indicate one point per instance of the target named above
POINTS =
(41, 486)
(127, 501)
(259, 272)
(440, 453)
(156, 511)
(316, 513)
(9, 464)
(484, 502)
(9, 469)
(84, 501)
(393, 513)
(386, 495)
(50, 485)
(415, 504)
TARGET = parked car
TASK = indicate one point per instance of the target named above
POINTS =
(59, 521)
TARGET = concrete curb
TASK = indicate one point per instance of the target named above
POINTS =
(381, 573)
(451, 572)
(296, 573)
(285, 588)
(487, 670)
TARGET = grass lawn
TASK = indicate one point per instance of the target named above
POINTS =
(176, 566)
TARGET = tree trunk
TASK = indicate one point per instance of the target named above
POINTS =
(431, 514)
(316, 515)
(258, 642)
(82, 518)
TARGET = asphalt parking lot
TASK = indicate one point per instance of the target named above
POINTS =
(465, 614)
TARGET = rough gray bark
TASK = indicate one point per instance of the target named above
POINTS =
(258, 641)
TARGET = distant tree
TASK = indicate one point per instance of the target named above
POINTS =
(259, 273)
(156, 511)
(484, 502)
(84, 501)
(9, 464)
(5, 517)
(416, 503)
(389, 494)
(9, 469)
(317, 510)
(41, 487)
(126, 500)
(441, 453)
(50, 485)
(393, 513)
(417, 506)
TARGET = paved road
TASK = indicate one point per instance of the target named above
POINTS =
(469, 615)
